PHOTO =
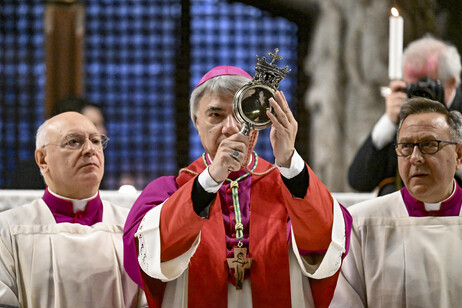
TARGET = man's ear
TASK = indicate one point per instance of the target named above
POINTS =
(449, 89)
(196, 124)
(453, 82)
(459, 156)
(40, 159)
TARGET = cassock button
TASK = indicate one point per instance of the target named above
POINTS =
(228, 190)
(231, 208)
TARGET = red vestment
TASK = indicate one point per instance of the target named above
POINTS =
(271, 207)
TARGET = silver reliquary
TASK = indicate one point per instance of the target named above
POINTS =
(251, 102)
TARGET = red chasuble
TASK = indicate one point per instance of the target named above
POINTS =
(271, 205)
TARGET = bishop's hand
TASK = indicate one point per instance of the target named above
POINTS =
(283, 130)
(229, 157)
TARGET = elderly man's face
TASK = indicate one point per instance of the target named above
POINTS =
(215, 121)
(72, 173)
(412, 75)
(429, 177)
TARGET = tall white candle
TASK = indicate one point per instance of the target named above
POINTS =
(395, 45)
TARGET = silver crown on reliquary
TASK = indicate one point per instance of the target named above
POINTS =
(269, 74)
(252, 101)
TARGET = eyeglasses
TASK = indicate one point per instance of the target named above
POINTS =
(404, 149)
(76, 141)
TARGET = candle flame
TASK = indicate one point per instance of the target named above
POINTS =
(394, 12)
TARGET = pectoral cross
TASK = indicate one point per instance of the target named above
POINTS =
(239, 263)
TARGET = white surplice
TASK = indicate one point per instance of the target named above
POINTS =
(400, 261)
(45, 264)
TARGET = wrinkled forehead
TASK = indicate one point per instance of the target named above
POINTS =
(424, 125)
(219, 100)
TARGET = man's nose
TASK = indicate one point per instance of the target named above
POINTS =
(88, 147)
(231, 126)
(416, 155)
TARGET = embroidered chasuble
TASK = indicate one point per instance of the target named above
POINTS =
(402, 254)
(53, 257)
(194, 250)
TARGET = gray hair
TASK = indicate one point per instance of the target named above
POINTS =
(449, 65)
(41, 138)
(220, 86)
(417, 105)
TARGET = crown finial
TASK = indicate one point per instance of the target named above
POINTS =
(275, 55)
(268, 73)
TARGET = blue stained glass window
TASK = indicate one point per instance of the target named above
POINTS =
(130, 65)
(130, 61)
(22, 82)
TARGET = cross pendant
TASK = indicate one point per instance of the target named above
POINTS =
(239, 263)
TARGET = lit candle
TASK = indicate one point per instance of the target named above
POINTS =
(395, 45)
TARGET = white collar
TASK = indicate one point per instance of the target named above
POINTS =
(78, 205)
(436, 206)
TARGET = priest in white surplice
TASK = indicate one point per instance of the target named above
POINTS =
(406, 247)
(65, 249)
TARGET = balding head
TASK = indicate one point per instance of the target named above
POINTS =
(41, 138)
